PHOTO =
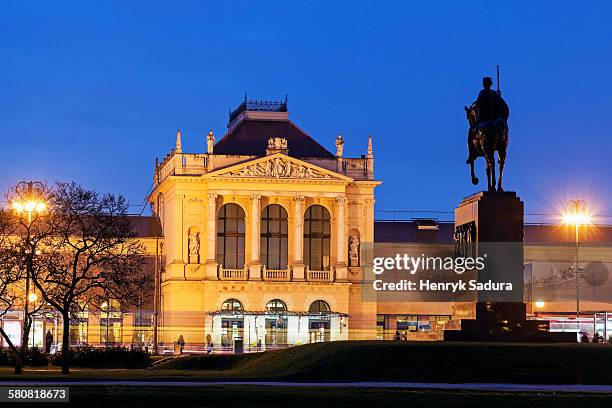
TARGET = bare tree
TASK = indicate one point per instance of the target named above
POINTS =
(92, 254)
(10, 275)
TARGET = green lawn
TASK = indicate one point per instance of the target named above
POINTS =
(254, 397)
(416, 361)
(381, 361)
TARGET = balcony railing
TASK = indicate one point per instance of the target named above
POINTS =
(233, 274)
(319, 276)
(276, 274)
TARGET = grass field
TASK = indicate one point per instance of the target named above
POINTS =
(380, 361)
(353, 361)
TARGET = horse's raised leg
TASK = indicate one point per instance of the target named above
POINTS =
(502, 160)
(474, 178)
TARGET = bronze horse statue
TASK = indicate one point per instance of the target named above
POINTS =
(484, 139)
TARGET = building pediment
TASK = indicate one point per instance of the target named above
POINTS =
(279, 166)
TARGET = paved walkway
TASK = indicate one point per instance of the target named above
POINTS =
(571, 388)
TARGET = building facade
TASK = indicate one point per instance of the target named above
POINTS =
(262, 235)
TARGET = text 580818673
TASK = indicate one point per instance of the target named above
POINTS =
(34, 394)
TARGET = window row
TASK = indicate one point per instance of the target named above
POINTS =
(273, 237)
(275, 306)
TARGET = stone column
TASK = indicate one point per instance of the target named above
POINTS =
(211, 237)
(341, 269)
(255, 237)
(298, 238)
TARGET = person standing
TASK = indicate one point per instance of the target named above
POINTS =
(48, 342)
(181, 344)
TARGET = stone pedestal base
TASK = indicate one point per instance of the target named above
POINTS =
(298, 271)
(341, 273)
(493, 222)
(506, 322)
(255, 271)
(211, 270)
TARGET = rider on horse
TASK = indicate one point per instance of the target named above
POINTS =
(489, 106)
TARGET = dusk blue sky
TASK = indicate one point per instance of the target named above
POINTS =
(94, 91)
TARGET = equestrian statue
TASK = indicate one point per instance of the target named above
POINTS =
(488, 133)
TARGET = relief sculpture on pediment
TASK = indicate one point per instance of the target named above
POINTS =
(278, 168)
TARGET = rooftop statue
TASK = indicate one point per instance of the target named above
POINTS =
(488, 132)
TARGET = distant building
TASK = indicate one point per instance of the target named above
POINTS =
(550, 285)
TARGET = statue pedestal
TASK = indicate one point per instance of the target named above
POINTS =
(490, 225)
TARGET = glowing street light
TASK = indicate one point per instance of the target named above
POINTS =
(32, 297)
(29, 201)
(577, 216)
(539, 304)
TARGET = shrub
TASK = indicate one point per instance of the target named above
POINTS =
(33, 357)
(6, 357)
(108, 357)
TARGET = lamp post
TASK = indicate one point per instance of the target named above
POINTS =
(28, 199)
(577, 216)
(104, 306)
(32, 298)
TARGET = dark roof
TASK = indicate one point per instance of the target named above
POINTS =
(407, 231)
(145, 226)
(250, 138)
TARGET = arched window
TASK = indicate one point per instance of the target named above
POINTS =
(230, 236)
(232, 305)
(317, 227)
(273, 248)
(276, 305)
(319, 306)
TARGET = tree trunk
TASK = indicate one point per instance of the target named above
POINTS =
(66, 344)
(25, 339)
(18, 362)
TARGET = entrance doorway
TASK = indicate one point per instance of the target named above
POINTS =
(319, 321)
(276, 323)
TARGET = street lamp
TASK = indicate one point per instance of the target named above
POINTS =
(32, 298)
(577, 216)
(29, 199)
(104, 306)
